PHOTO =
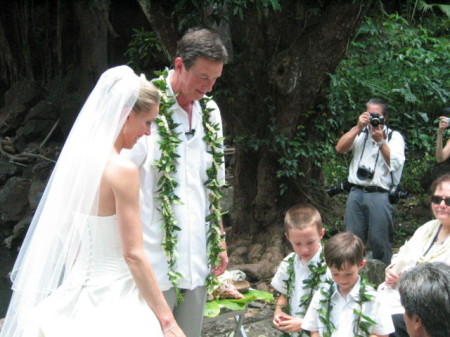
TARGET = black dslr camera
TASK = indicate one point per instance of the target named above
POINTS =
(364, 173)
(395, 194)
(376, 120)
(344, 186)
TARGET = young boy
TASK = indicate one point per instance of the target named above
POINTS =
(346, 305)
(301, 272)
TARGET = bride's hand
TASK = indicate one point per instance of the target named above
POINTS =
(173, 331)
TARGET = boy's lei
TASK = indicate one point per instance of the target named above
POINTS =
(312, 283)
(167, 165)
(362, 322)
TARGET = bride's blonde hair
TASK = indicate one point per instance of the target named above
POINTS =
(148, 95)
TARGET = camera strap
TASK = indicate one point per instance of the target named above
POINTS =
(389, 136)
(366, 130)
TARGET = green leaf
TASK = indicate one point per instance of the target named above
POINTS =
(212, 309)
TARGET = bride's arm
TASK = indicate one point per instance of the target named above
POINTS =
(124, 182)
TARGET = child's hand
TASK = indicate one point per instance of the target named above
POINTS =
(290, 324)
(278, 318)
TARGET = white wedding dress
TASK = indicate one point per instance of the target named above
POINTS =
(99, 297)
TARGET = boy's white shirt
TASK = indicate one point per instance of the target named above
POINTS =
(342, 313)
(302, 272)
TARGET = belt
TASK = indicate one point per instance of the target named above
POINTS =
(370, 189)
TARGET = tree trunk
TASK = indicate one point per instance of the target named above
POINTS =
(93, 22)
(8, 64)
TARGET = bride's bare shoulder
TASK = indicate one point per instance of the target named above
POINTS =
(120, 168)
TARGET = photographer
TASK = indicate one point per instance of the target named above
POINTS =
(375, 170)
(442, 153)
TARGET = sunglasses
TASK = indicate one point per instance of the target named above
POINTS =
(437, 200)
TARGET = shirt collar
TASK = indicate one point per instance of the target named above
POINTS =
(353, 294)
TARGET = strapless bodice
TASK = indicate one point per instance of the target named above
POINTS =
(100, 258)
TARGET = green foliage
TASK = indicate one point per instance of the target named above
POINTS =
(300, 148)
(143, 49)
(212, 308)
(191, 13)
(416, 167)
(405, 64)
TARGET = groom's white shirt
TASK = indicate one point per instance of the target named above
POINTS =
(192, 261)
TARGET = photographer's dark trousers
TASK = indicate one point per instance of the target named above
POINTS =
(370, 216)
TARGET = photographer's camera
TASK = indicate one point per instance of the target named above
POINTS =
(376, 120)
(344, 186)
(364, 173)
(395, 194)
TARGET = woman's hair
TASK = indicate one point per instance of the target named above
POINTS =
(148, 96)
(344, 249)
(201, 43)
(438, 181)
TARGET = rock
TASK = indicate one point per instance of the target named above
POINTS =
(14, 199)
(43, 110)
(18, 101)
(255, 252)
(7, 170)
(19, 232)
(34, 196)
(34, 129)
(374, 270)
(37, 124)
(263, 286)
(24, 92)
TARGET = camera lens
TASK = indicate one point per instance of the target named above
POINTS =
(375, 122)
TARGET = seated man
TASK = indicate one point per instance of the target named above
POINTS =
(425, 295)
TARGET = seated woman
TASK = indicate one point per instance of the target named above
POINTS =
(442, 153)
(429, 243)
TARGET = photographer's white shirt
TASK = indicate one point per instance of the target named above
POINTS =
(365, 145)
(193, 160)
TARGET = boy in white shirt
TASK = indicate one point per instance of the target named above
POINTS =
(346, 306)
(301, 272)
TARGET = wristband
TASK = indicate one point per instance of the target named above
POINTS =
(380, 144)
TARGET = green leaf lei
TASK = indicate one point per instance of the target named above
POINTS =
(167, 165)
(362, 322)
(215, 145)
(312, 283)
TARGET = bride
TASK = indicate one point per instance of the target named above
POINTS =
(82, 270)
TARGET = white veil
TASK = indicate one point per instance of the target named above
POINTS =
(53, 239)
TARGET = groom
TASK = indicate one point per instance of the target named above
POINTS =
(198, 64)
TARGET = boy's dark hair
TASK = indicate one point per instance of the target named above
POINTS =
(302, 215)
(425, 291)
(201, 42)
(344, 249)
